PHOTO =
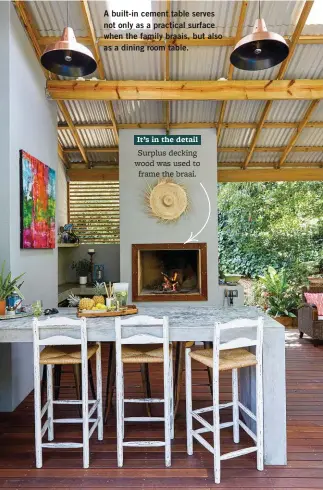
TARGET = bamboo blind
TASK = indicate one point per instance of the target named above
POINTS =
(94, 211)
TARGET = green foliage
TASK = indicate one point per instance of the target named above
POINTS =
(281, 298)
(269, 224)
(82, 267)
(9, 285)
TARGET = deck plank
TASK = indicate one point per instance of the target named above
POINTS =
(145, 468)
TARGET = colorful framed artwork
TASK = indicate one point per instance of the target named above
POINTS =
(37, 203)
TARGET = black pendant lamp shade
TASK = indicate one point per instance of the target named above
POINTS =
(68, 58)
(259, 50)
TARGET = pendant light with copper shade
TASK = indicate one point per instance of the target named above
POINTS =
(259, 50)
(67, 57)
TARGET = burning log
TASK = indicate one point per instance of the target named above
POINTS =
(170, 283)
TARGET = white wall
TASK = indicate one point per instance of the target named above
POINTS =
(136, 226)
(29, 124)
(61, 195)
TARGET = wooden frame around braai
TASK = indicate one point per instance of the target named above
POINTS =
(202, 257)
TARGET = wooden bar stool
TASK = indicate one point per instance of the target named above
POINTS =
(230, 355)
(62, 348)
(134, 344)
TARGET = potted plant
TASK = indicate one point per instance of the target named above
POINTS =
(8, 287)
(82, 267)
(281, 298)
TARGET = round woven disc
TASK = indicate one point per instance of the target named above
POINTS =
(168, 200)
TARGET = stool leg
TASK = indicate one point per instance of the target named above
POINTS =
(91, 379)
(235, 406)
(78, 387)
(99, 391)
(120, 396)
(167, 411)
(188, 384)
(37, 408)
(110, 380)
(216, 425)
(57, 380)
(260, 417)
(179, 368)
(171, 390)
(208, 345)
(85, 412)
(43, 385)
(50, 411)
(144, 369)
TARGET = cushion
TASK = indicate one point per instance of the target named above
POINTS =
(315, 299)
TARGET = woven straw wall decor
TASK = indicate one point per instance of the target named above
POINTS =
(167, 200)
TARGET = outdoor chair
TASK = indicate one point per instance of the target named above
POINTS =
(228, 356)
(138, 345)
(65, 342)
(309, 322)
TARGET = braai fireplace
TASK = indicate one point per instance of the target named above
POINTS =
(169, 272)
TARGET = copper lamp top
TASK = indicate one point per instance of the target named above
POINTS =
(259, 50)
(67, 57)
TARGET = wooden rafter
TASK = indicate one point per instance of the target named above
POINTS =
(224, 175)
(205, 125)
(224, 149)
(297, 133)
(23, 15)
(242, 16)
(185, 90)
(167, 66)
(295, 37)
(224, 41)
(61, 155)
(90, 27)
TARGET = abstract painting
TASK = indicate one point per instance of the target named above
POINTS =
(37, 203)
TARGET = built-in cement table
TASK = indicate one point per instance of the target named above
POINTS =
(196, 323)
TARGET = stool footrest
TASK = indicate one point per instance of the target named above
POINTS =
(144, 419)
(71, 421)
(144, 400)
(247, 411)
(62, 445)
(198, 437)
(248, 431)
(144, 444)
(240, 452)
(71, 402)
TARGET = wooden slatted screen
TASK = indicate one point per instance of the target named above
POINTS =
(94, 211)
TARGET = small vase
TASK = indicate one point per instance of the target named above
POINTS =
(83, 280)
(2, 307)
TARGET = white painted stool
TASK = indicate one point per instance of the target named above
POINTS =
(134, 344)
(230, 355)
(73, 349)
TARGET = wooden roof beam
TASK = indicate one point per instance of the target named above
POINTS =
(270, 175)
(205, 125)
(224, 41)
(242, 16)
(185, 90)
(297, 133)
(90, 27)
(296, 34)
(230, 149)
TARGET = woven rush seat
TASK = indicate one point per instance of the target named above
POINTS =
(142, 354)
(229, 359)
(65, 354)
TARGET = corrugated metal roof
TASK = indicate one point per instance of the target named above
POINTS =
(138, 111)
(197, 63)
(287, 110)
(236, 137)
(243, 111)
(307, 62)
(186, 111)
(265, 157)
(224, 157)
(275, 136)
(306, 156)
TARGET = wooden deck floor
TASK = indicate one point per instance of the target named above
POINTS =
(145, 468)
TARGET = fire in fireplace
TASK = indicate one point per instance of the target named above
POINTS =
(169, 272)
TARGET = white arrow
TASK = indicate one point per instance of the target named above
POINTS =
(192, 237)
